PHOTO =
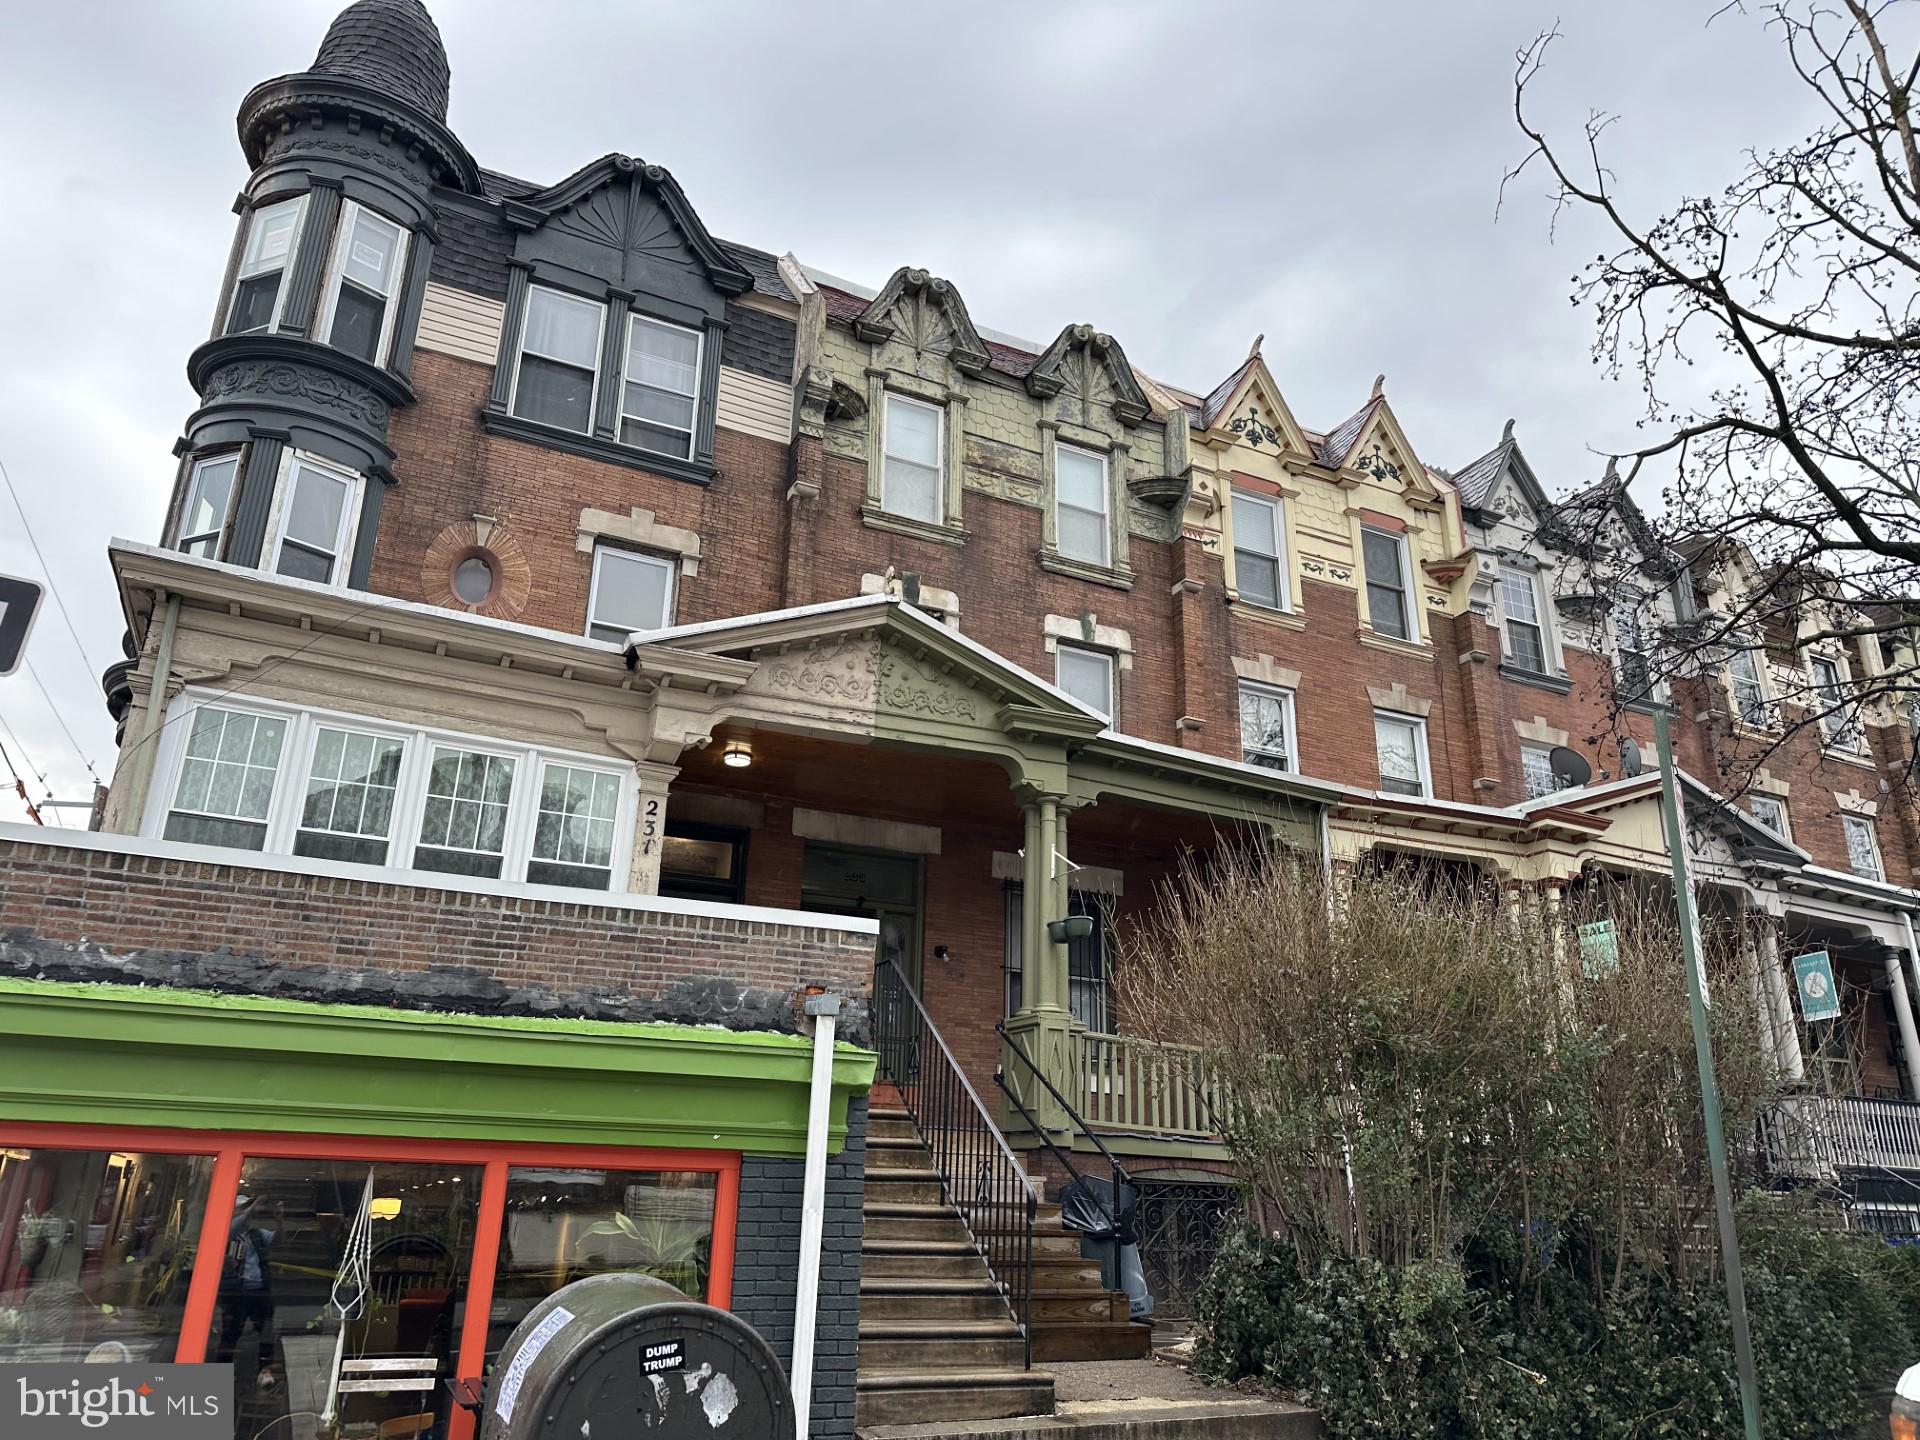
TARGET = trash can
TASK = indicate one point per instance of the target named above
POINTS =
(1103, 1213)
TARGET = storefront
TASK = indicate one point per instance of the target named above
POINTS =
(412, 1186)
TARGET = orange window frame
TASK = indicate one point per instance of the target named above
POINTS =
(229, 1147)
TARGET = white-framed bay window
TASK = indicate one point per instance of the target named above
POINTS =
(1260, 550)
(1748, 689)
(259, 283)
(1830, 693)
(315, 510)
(913, 447)
(660, 392)
(291, 780)
(1081, 527)
(203, 515)
(557, 373)
(361, 293)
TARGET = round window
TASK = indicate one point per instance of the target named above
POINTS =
(473, 579)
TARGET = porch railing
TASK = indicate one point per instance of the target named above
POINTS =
(980, 1176)
(1120, 1082)
(1812, 1135)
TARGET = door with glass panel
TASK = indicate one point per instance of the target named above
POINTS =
(840, 881)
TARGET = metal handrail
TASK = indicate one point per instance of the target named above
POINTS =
(980, 1176)
(1120, 1175)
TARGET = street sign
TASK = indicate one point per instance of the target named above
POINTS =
(1599, 950)
(19, 603)
(1819, 996)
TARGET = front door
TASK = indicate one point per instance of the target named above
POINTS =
(837, 880)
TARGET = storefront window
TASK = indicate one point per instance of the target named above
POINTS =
(562, 1225)
(96, 1249)
(382, 1248)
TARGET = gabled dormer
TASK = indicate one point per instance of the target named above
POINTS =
(616, 307)
(1510, 571)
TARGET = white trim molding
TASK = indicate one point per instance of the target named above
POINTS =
(639, 528)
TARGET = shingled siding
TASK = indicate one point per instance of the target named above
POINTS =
(110, 908)
(768, 1252)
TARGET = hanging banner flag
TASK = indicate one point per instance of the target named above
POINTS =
(1819, 996)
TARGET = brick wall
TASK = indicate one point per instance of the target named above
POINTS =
(766, 1256)
(96, 910)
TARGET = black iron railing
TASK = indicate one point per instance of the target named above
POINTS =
(1116, 1173)
(980, 1176)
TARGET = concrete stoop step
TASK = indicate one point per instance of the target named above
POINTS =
(1158, 1419)
(938, 1342)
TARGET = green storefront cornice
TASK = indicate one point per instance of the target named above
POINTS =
(131, 1055)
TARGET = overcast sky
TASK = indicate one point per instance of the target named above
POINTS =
(1181, 175)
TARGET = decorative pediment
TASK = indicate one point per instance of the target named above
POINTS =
(925, 313)
(1091, 372)
(1381, 453)
(1247, 409)
(634, 210)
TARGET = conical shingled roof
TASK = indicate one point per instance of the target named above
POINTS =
(391, 46)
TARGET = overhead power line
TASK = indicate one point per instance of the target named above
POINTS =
(53, 587)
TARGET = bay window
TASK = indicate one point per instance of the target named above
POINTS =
(284, 780)
(1400, 742)
(203, 516)
(558, 367)
(317, 506)
(1526, 644)
(463, 823)
(1081, 526)
(631, 591)
(1259, 550)
(1389, 585)
(227, 775)
(357, 310)
(662, 386)
(273, 235)
(913, 446)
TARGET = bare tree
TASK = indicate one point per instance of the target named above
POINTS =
(1774, 329)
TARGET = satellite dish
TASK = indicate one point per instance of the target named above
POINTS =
(1630, 762)
(1570, 768)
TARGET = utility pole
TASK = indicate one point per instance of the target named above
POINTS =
(1677, 848)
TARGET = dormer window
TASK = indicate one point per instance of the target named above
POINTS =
(273, 234)
(313, 533)
(559, 360)
(357, 314)
(203, 519)
(914, 440)
(662, 386)
(1633, 680)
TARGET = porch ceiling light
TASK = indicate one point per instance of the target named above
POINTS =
(738, 754)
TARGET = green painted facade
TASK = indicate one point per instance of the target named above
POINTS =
(127, 1055)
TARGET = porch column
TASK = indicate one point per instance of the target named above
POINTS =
(1041, 1029)
(1903, 1016)
(649, 825)
(1786, 1034)
(1758, 992)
